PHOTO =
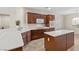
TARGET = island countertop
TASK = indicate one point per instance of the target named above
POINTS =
(58, 32)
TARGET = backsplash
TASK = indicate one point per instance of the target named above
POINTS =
(35, 25)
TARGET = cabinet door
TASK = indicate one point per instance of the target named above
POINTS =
(60, 43)
(50, 17)
(49, 43)
(26, 37)
(36, 34)
(47, 23)
(70, 40)
(31, 18)
(55, 43)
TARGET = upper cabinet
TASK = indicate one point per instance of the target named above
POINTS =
(32, 17)
(50, 17)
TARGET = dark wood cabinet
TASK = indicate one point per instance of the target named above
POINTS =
(26, 37)
(59, 43)
(50, 17)
(48, 43)
(33, 16)
(46, 22)
(55, 43)
(70, 40)
(39, 33)
(36, 34)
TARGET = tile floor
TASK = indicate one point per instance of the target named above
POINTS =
(38, 45)
(76, 44)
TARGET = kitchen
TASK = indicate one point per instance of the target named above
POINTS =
(33, 24)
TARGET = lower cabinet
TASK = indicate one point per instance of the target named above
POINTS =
(70, 40)
(59, 43)
(36, 34)
(26, 37)
(55, 43)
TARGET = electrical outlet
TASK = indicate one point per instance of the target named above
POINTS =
(48, 39)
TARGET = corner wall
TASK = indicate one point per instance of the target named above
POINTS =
(68, 23)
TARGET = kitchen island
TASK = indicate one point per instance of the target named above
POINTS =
(59, 40)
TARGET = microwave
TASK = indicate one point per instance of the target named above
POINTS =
(40, 21)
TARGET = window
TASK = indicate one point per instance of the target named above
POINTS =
(75, 21)
(4, 21)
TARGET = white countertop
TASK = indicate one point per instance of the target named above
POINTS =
(25, 29)
(10, 39)
(58, 32)
(35, 28)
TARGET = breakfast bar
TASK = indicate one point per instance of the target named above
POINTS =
(59, 40)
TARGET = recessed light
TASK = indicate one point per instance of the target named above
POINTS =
(49, 8)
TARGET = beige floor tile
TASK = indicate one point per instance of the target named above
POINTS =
(38, 45)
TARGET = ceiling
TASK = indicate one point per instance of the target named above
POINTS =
(60, 10)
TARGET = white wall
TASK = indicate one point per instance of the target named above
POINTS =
(19, 13)
(68, 22)
(59, 21)
(16, 13)
(11, 12)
